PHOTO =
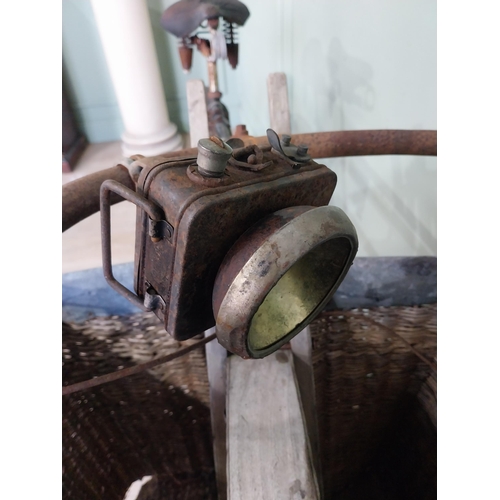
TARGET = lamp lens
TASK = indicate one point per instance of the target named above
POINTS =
(299, 294)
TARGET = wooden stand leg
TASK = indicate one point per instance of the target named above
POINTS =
(269, 454)
(216, 367)
(279, 111)
(304, 371)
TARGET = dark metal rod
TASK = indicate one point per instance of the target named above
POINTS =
(369, 142)
(107, 188)
(81, 198)
(353, 143)
(110, 186)
(132, 370)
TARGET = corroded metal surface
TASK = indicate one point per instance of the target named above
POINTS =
(369, 142)
(279, 275)
(364, 142)
(213, 155)
(218, 117)
(206, 222)
(81, 198)
(244, 247)
(354, 143)
(297, 154)
(109, 187)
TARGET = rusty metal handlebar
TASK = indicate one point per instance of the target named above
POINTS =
(80, 198)
(353, 143)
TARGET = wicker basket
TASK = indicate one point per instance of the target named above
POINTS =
(374, 399)
(376, 402)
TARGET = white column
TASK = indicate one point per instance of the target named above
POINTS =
(127, 38)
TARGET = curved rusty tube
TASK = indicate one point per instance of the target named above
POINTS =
(81, 198)
(369, 142)
(353, 143)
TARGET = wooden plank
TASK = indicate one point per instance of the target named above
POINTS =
(301, 346)
(268, 449)
(197, 111)
(279, 111)
(216, 368)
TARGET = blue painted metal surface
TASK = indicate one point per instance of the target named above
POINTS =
(371, 282)
(86, 294)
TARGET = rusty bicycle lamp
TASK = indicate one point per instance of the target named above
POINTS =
(238, 236)
(242, 239)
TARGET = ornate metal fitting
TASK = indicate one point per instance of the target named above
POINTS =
(295, 154)
(213, 155)
(250, 158)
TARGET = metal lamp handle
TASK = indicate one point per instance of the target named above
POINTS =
(154, 212)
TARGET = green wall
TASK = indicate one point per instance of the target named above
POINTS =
(350, 64)
(86, 75)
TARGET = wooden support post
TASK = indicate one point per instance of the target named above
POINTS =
(304, 371)
(197, 111)
(279, 110)
(216, 368)
(269, 455)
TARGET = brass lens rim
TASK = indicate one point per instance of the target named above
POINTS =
(267, 264)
